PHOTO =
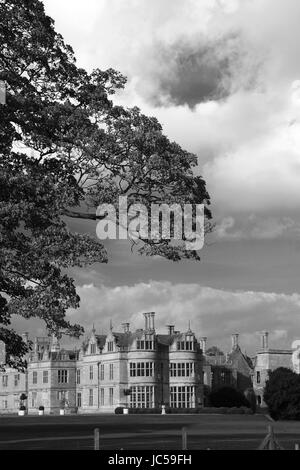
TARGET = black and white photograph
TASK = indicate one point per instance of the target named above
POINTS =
(149, 228)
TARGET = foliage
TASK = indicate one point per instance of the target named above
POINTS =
(64, 149)
(119, 410)
(251, 398)
(282, 394)
(228, 397)
(205, 410)
(63, 403)
(214, 351)
(41, 408)
(22, 408)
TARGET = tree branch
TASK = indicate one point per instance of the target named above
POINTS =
(82, 215)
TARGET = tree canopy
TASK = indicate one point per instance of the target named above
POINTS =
(214, 351)
(65, 147)
(229, 397)
(282, 394)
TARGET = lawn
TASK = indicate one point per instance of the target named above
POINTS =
(155, 432)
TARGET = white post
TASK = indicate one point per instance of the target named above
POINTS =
(184, 439)
(96, 439)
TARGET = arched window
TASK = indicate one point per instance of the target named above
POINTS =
(259, 400)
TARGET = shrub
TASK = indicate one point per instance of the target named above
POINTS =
(22, 408)
(145, 410)
(119, 410)
(134, 411)
(62, 403)
(228, 397)
(41, 408)
(224, 410)
(282, 394)
(182, 410)
(251, 398)
(235, 410)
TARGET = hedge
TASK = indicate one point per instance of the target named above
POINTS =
(206, 410)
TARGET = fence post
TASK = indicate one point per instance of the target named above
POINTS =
(184, 439)
(270, 442)
(96, 439)
(271, 434)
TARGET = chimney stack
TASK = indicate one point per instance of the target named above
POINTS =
(55, 346)
(146, 321)
(25, 337)
(152, 320)
(203, 341)
(149, 320)
(126, 327)
(264, 340)
(171, 329)
(2, 353)
(235, 341)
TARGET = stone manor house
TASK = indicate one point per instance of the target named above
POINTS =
(140, 369)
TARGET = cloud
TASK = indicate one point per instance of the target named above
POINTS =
(172, 52)
(223, 78)
(214, 313)
(261, 173)
(256, 227)
(194, 70)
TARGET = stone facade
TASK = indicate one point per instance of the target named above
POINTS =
(134, 369)
(267, 360)
(234, 369)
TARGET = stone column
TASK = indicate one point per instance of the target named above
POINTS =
(235, 341)
(264, 340)
(203, 341)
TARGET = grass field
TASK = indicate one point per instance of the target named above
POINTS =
(155, 432)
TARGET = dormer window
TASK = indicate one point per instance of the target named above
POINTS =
(93, 348)
(110, 346)
(185, 345)
(145, 344)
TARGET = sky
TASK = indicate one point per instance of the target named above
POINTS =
(223, 78)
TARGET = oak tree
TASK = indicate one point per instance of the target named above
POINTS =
(65, 147)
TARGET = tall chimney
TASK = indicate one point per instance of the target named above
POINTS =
(171, 329)
(235, 341)
(25, 337)
(2, 353)
(264, 340)
(126, 327)
(55, 346)
(203, 341)
(146, 321)
(152, 315)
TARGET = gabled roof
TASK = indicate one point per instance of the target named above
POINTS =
(100, 341)
(126, 339)
(123, 340)
(238, 354)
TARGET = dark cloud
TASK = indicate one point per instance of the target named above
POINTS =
(194, 71)
(198, 77)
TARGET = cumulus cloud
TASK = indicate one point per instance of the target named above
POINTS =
(256, 227)
(262, 173)
(172, 52)
(194, 70)
(223, 78)
(214, 313)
